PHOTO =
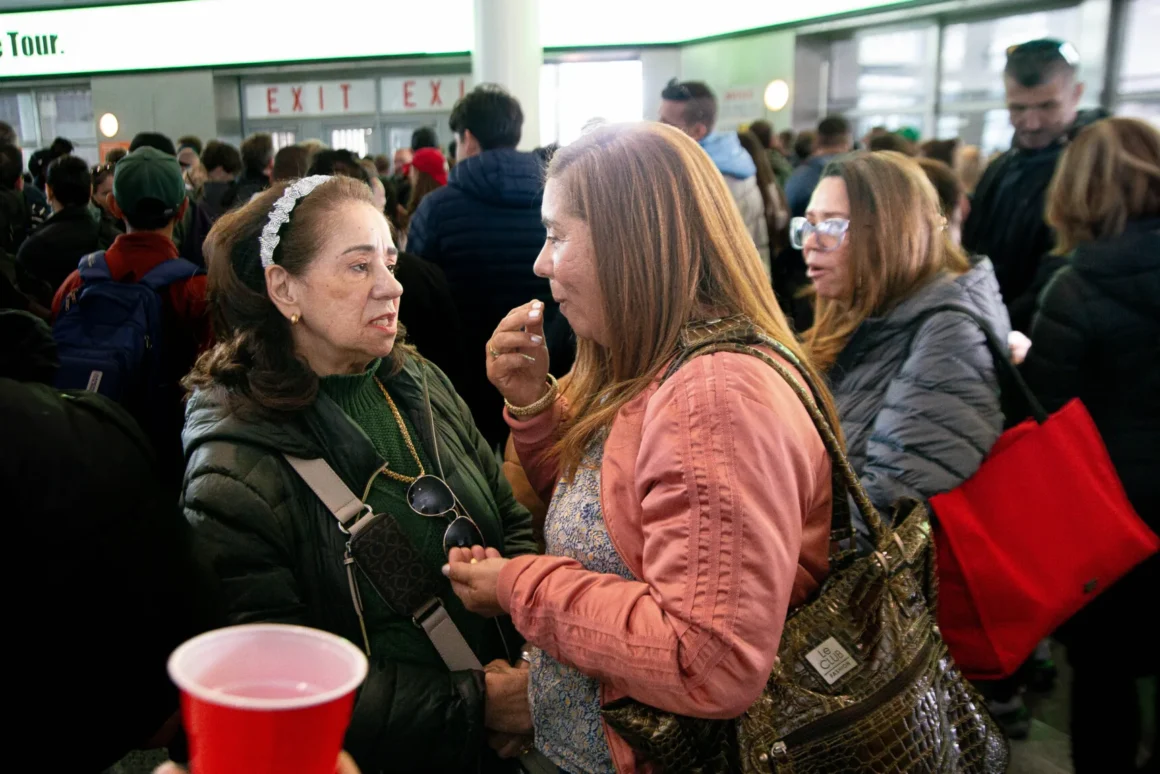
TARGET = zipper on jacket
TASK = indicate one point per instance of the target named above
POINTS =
(780, 751)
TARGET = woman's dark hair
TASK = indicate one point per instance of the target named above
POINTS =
(423, 186)
(190, 141)
(891, 142)
(291, 162)
(254, 358)
(765, 179)
(803, 145)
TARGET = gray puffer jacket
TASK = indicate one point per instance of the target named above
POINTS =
(919, 399)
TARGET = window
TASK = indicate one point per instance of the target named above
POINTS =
(883, 78)
(40, 116)
(574, 93)
(282, 140)
(357, 141)
(1139, 86)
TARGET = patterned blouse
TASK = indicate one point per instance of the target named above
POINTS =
(565, 702)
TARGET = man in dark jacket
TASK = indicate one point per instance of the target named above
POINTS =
(118, 590)
(257, 166)
(834, 138)
(483, 229)
(1006, 220)
(52, 253)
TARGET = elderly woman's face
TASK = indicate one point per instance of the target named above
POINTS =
(568, 261)
(348, 298)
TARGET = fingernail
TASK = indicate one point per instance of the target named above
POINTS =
(446, 571)
(534, 314)
(537, 305)
(537, 339)
(474, 560)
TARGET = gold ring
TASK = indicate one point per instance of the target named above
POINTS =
(492, 351)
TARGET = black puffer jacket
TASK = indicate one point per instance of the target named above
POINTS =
(279, 554)
(919, 399)
(1096, 337)
(483, 230)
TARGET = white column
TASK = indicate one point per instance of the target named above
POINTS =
(508, 52)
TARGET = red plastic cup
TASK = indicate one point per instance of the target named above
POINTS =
(266, 698)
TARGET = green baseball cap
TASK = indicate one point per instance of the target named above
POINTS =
(148, 173)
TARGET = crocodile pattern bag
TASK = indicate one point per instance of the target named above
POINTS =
(863, 681)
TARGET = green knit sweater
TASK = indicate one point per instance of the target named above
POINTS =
(392, 635)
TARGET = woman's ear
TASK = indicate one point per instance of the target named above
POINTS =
(280, 286)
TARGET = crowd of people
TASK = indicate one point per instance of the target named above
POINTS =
(182, 322)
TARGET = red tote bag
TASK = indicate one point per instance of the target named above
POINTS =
(1042, 528)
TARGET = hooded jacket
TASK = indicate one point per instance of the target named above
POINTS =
(740, 173)
(279, 553)
(483, 230)
(918, 398)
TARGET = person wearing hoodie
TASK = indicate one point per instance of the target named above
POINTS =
(1096, 337)
(483, 229)
(691, 106)
(1006, 221)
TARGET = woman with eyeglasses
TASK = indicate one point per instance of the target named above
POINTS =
(310, 365)
(917, 390)
(690, 508)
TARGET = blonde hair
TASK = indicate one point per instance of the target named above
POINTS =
(1109, 175)
(897, 242)
(671, 249)
(968, 166)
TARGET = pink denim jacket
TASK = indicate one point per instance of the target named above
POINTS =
(716, 492)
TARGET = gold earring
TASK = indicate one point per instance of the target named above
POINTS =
(294, 318)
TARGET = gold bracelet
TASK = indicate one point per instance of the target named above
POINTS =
(523, 412)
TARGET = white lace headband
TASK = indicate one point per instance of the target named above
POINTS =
(280, 215)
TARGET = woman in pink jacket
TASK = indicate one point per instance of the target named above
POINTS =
(688, 514)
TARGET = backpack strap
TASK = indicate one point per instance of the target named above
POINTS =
(93, 268)
(167, 272)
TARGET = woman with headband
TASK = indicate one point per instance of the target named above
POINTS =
(330, 468)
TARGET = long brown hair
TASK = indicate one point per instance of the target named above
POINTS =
(254, 357)
(897, 243)
(424, 184)
(1109, 175)
(671, 248)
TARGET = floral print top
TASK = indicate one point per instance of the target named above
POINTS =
(565, 702)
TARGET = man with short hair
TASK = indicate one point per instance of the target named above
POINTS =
(834, 137)
(1007, 219)
(32, 199)
(257, 166)
(691, 107)
(782, 169)
(222, 164)
(191, 230)
(483, 229)
(424, 137)
(53, 251)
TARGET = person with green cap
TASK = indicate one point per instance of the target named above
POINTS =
(149, 196)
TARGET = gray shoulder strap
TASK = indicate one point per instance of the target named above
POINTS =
(432, 616)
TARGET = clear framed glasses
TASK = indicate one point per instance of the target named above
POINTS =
(828, 234)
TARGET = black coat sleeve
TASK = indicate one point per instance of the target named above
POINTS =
(407, 717)
(1056, 362)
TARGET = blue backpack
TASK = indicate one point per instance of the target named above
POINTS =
(110, 336)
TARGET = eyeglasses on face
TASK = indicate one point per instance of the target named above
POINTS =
(828, 234)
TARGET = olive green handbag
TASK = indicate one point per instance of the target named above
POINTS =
(863, 681)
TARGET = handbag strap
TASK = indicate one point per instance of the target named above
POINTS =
(745, 338)
(1008, 371)
(430, 615)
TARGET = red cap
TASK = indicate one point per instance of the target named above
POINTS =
(431, 161)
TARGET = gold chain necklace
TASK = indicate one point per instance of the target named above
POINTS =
(406, 439)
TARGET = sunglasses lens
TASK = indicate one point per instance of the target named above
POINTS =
(430, 496)
(462, 534)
